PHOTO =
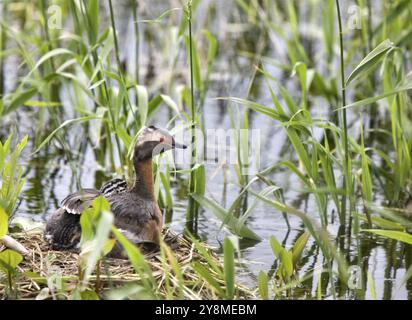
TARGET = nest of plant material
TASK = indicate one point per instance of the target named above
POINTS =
(48, 274)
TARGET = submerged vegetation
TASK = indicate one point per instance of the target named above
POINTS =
(327, 84)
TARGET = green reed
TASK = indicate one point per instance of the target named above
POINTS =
(192, 210)
(135, 7)
(11, 184)
(346, 169)
(3, 41)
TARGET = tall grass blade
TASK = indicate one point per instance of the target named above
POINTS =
(392, 234)
(229, 220)
(229, 268)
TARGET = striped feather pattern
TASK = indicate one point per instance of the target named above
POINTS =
(76, 202)
(114, 186)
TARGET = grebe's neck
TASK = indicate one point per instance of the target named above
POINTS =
(144, 184)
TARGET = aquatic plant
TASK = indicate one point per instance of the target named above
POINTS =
(11, 178)
(11, 173)
(335, 97)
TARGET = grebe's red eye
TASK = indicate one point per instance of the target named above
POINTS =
(162, 139)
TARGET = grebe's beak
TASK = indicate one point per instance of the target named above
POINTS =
(177, 145)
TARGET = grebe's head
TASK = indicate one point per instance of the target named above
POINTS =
(153, 141)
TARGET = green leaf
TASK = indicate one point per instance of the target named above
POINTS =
(90, 216)
(371, 60)
(93, 249)
(206, 256)
(9, 260)
(198, 83)
(396, 235)
(405, 85)
(129, 291)
(11, 172)
(143, 100)
(4, 218)
(96, 84)
(89, 295)
(299, 247)
(41, 104)
(229, 268)
(289, 100)
(64, 124)
(137, 260)
(255, 106)
(207, 276)
(366, 176)
(300, 69)
(276, 246)
(166, 185)
(154, 104)
(170, 103)
(20, 98)
(263, 285)
(287, 263)
(407, 276)
(385, 223)
(108, 246)
(177, 270)
(200, 186)
(111, 75)
(93, 16)
(303, 155)
(396, 9)
(47, 56)
(124, 136)
(371, 283)
(232, 222)
(213, 44)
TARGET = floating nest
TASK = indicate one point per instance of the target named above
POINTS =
(48, 274)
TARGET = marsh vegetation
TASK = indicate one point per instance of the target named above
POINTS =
(318, 207)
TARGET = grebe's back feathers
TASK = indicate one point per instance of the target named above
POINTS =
(78, 201)
(114, 186)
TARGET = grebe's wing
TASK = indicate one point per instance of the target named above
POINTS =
(114, 186)
(76, 202)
